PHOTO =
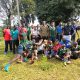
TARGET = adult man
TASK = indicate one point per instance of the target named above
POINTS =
(67, 32)
(15, 38)
(44, 30)
(52, 31)
(73, 31)
(59, 31)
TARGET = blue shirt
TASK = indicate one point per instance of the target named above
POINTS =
(66, 42)
(59, 29)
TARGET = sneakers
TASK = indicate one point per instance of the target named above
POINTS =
(36, 58)
(69, 62)
(6, 68)
(65, 63)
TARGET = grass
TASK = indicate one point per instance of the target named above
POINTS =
(55, 69)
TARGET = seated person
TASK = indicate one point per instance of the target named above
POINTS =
(64, 54)
(56, 47)
(75, 51)
(66, 42)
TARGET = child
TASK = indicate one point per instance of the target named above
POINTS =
(75, 51)
(64, 54)
(34, 53)
(56, 47)
(46, 51)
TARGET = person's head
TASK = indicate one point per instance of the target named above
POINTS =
(46, 47)
(63, 39)
(35, 28)
(45, 42)
(52, 23)
(44, 22)
(73, 23)
(7, 27)
(25, 53)
(68, 23)
(22, 26)
(15, 27)
(63, 46)
(56, 42)
(60, 24)
(34, 46)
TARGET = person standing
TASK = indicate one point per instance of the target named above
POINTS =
(44, 30)
(67, 32)
(52, 31)
(73, 31)
(15, 38)
(59, 31)
(7, 38)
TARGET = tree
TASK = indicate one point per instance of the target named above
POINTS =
(27, 7)
(7, 6)
(57, 9)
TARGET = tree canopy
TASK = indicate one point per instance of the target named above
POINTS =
(57, 9)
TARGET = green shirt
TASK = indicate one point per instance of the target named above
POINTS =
(52, 31)
(62, 51)
(29, 31)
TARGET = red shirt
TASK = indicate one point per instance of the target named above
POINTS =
(7, 35)
(57, 47)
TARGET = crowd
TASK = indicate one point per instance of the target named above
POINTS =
(52, 41)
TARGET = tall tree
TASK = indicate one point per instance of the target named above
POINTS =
(27, 6)
(7, 6)
(57, 9)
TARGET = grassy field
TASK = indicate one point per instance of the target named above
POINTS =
(53, 69)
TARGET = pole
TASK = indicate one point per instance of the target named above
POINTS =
(17, 2)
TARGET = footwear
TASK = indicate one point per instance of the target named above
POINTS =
(36, 58)
(31, 62)
(65, 63)
(69, 62)
(6, 68)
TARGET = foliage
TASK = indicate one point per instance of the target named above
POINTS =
(44, 65)
(57, 9)
(27, 7)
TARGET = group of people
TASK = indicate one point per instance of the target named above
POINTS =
(28, 42)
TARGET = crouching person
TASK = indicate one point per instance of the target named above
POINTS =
(75, 51)
(34, 53)
(64, 54)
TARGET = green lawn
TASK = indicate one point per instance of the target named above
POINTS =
(53, 69)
